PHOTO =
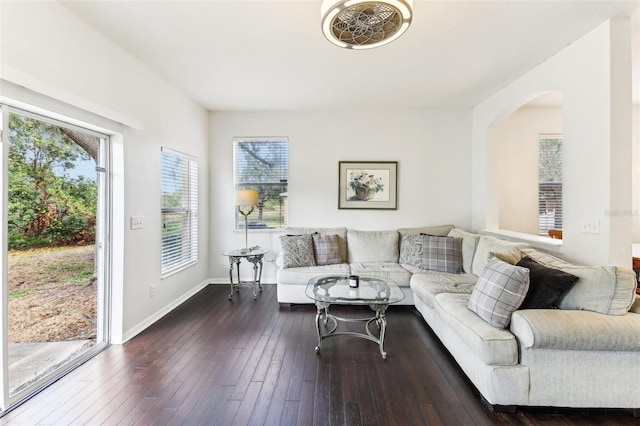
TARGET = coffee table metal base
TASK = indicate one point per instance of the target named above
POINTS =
(323, 318)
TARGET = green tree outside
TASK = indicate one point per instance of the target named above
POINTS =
(46, 205)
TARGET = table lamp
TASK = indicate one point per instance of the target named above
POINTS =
(245, 199)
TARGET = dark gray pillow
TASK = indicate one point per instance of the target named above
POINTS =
(442, 254)
(546, 286)
(326, 249)
(499, 292)
(297, 251)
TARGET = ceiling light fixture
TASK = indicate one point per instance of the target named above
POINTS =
(365, 24)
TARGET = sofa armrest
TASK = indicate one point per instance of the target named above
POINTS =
(576, 330)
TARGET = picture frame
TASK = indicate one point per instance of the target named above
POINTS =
(368, 185)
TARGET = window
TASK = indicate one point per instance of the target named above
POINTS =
(179, 211)
(262, 164)
(549, 183)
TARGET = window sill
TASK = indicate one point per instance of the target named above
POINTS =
(534, 240)
(258, 230)
(177, 269)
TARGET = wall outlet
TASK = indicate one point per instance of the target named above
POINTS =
(137, 222)
(152, 290)
(591, 226)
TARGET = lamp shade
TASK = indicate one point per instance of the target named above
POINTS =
(245, 197)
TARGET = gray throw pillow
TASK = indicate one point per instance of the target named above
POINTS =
(411, 250)
(499, 292)
(326, 249)
(442, 254)
(297, 251)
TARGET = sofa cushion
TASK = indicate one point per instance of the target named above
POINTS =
(297, 251)
(442, 254)
(387, 270)
(546, 285)
(427, 284)
(491, 345)
(340, 232)
(373, 246)
(488, 246)
(606, 289)
(410, 249)
(326, 249)
(576, 330)
(469, 243)
(499, 292)
(439, 231)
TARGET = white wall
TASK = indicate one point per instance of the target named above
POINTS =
(518, 183)
(48, 49)
(635, 211)
(593, 74)
(431, 148)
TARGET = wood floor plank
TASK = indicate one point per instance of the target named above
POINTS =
(245, 361)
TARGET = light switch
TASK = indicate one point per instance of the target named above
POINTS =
(591, 226)
(137, 222)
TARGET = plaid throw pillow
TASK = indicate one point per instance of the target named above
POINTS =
(499, 292)
(297, 251)
(326, 249)
(442, 254)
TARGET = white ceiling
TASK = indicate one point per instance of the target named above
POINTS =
(270, 55)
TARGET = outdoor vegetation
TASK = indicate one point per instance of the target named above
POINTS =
(263, 165)
(51, 233)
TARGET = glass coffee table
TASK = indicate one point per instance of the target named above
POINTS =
(377, 293)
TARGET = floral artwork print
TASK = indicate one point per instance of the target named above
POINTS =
(365, 184)
(371, 185)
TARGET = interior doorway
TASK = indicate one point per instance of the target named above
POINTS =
(55, 268)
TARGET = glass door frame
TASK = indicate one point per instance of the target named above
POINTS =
(103, 257)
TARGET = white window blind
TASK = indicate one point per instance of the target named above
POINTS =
(549, 183)
(263, 164)
(179, 211)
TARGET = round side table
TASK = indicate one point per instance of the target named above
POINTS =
(254, 255)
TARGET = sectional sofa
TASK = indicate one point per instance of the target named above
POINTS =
(574, 346)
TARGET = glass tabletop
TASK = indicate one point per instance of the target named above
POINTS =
(252, 251)
(371, 290)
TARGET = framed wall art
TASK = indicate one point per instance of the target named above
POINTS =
(368, 185)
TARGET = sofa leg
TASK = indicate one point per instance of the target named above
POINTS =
(636, 412)
(284, 305)
(498, 408)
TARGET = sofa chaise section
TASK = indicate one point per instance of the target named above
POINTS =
(583, 355)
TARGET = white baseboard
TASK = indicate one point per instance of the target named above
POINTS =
(150, 320)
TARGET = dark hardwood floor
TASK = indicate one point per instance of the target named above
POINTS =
(215, 361)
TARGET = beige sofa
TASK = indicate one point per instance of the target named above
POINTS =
(372, 253)
(585, 354)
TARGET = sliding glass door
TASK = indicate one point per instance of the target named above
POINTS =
(55, 234)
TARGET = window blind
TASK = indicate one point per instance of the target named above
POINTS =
(179, 181)
(263, 164)
(549, 183)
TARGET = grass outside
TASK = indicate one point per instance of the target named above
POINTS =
(52, 294)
